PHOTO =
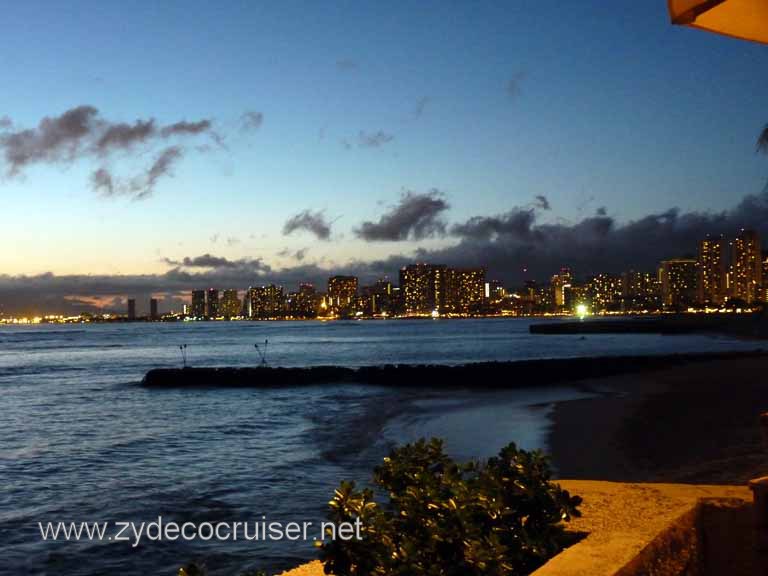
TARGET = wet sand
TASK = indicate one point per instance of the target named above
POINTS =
(696, 423)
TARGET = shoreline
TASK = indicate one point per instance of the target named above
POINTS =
(696, 423)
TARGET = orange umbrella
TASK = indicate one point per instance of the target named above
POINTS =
(746, 19)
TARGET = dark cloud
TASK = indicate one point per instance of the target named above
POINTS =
(421, 105)
(314, 222)
(102, 182)
(141, 186)
(124, 136)
(251, 121)
(516, 223)
(82, 133)
(416, 216)
(346, 65)
(509, 242)
(601, 211)
(68, 294)
(184, 128)
(162, 166)
(5, 122)
(373, 139)
(208, 260)
(514, 84)
(58, 138)
(297, 255)
(762, 141)
(542, 202)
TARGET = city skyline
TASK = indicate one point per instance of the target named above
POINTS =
(500, 146)
(727, 273)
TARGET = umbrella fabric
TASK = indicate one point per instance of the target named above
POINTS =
(746, 19)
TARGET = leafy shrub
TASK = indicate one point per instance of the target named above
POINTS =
(196, 569)
(442, 518)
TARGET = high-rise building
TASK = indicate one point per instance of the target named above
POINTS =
(560, 282)
(640, 291)
(153, 315)
(464, 290)
(711, 284)
(230, 305)
(212, 303)
(131, 309)
(342, 292)
(575, 296)
(303, 303)
(764, 291)
(422, 288)
(678, 282)
(197, 307)
(266, 301)
(746, 271)
(604, 292)
(495, 292)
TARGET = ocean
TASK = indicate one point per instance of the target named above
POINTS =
(81, 441)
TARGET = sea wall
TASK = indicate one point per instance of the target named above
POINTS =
(524, 373)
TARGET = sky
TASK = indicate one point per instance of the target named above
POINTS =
(151, 149)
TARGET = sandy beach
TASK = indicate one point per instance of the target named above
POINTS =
(696, 423)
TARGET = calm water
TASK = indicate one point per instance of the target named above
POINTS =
(80, 441)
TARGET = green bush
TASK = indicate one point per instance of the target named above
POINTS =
(196, 569)
(442, 518)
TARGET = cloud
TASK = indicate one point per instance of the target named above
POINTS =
(416, 216)
(162, 166)
(762, 141)
(298, 255)
(102, 182)
(141, 186)
(184, 128)
(516, 223)
(72, 294)
(208, 260)
(508, 242)
(5, 122)
(124, 136)
(55, 139)
(314, 222)
(81, 133)
(346, 65)
(373, 139)
(421, 105)
(514, 84)
(542, 202)
(251, 121)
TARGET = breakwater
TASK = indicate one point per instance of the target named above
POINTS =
(523, 373)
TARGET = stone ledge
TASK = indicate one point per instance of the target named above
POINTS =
(622, 520)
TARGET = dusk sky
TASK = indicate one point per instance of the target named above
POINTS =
(273, 142)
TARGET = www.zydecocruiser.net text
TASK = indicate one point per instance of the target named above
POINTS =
(159, 530)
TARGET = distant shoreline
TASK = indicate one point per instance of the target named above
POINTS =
(178, 318)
